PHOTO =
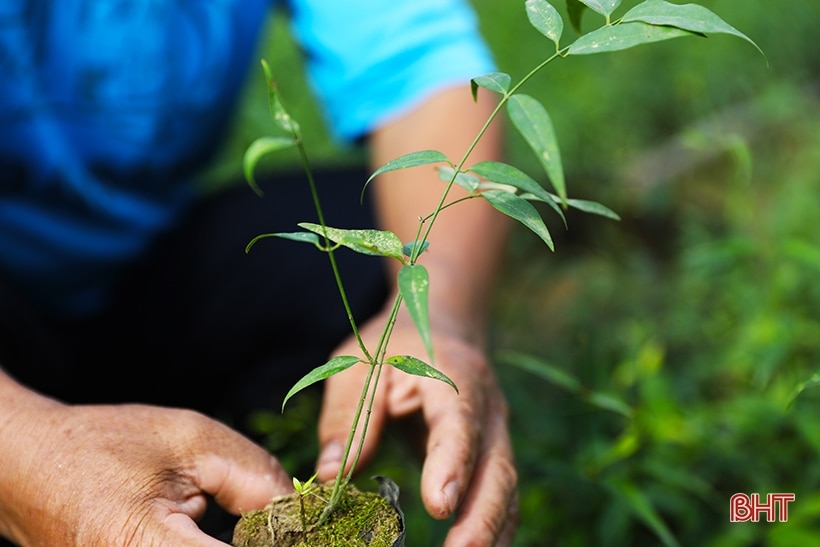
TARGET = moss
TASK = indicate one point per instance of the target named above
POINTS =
(361, 519)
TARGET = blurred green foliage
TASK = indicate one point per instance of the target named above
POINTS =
(660, 364)
(700, 312)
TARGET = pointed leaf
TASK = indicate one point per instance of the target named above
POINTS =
(304, 237)
(623, 36)
(413, 159)
(546, 19)
(531, 119)
(591, 207)
(575, 10)
(811, 383)
(369, 242)
(280, 116)
(542, 369)
(257, 150)
(323, 372)
(498, 82)
(691, 17)
(604, 7)
(414, 286)
(507, 174)
(609, 402)
(416, 367)
(466, 181)
(521, 210)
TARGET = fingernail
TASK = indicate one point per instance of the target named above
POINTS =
(450, 492)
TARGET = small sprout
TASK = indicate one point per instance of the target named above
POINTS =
(304, 488)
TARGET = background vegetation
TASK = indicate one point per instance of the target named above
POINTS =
(660, 364)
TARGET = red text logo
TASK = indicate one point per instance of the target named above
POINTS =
(743, 508)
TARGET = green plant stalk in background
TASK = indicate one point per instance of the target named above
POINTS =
(505, 187)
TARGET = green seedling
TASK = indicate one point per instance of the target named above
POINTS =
(304, 489)
(507, 188)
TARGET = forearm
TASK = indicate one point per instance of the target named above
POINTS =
(22, 412)
(467, 240)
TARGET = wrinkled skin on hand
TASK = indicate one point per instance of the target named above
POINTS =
(127, 475)
(469, 466)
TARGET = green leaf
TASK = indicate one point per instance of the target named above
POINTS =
(416, 367)
(691, 17)
(575, 11)
(604, 7)
(257, 150)
(521, 210)
(627, 443)
(280, 116)
(564, 380)
(507, 174)
(609, 402)
(414, 286)
(811, 383)
(304, 237)
(413, 159)
(542, 369)
(304, 487)
(623, 36)
(468, 182)
(498, 82)
(369, 242)
(642, 508)
(323, 372)
(591, 207)
(407, 249)
(531, 119)
(546, 19)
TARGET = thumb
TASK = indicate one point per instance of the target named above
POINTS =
(241, 476)
(342, 396)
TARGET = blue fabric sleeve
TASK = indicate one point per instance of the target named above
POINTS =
(370, 60)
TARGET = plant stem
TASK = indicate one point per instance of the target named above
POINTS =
(375, 361)
(302, 512)
(458, 168)
(367, 397)
(328, 246)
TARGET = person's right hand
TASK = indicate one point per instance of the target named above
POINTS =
(129, 475)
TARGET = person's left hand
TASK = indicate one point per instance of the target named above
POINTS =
(469, 466)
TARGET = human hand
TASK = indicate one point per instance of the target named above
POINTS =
(469, 466)
(125, 475)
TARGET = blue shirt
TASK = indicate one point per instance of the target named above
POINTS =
(108, 107)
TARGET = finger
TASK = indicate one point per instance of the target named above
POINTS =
(342, 397)
(489, 513)
(241, 476)
(183, 531)
(452, 445)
